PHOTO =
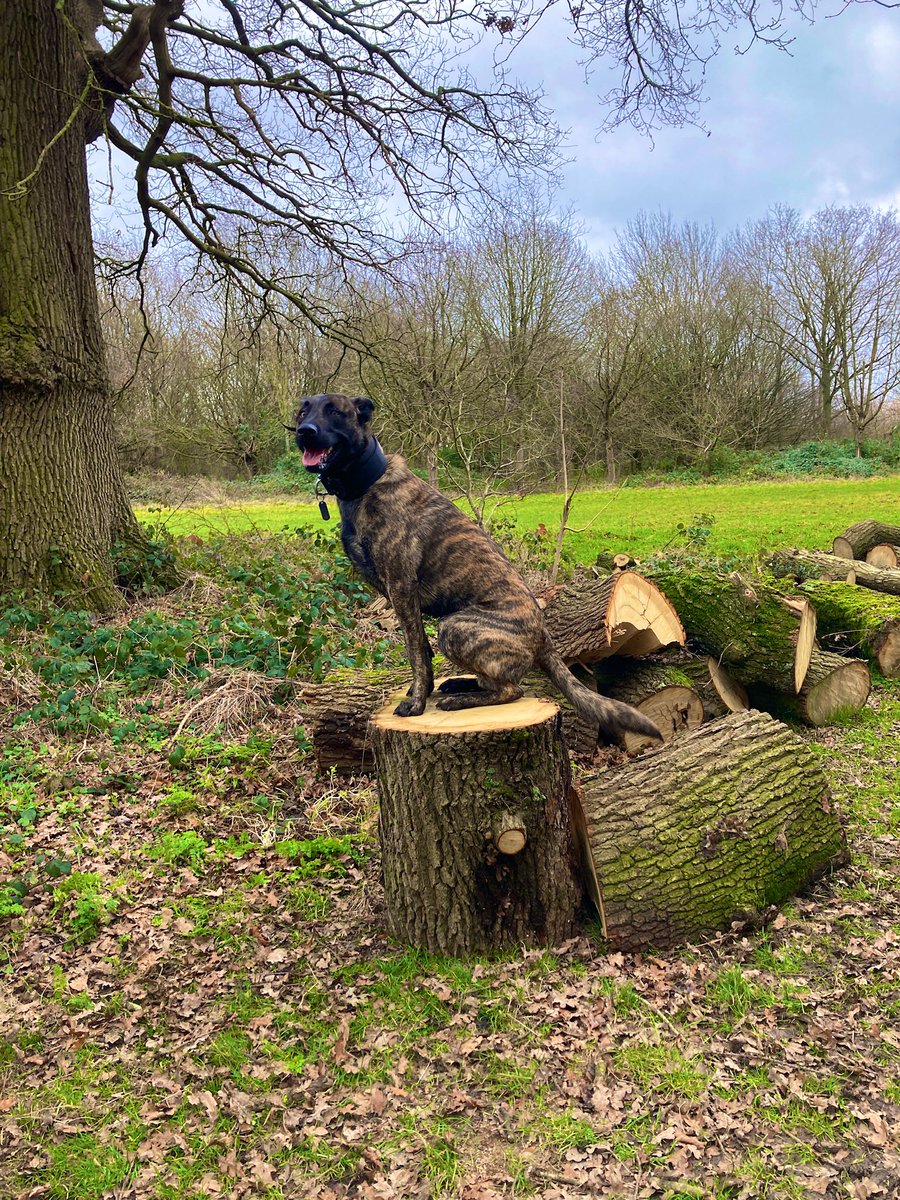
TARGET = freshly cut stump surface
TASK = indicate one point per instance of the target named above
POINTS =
(476, 840)
(710, 830)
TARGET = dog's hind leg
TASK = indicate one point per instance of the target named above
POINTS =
(488, 692)
(485, 643)
(459, 683)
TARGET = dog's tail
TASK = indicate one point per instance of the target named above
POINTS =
(612, 716)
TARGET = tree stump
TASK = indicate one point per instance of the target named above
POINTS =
(858, 540)
(659, 690)
(709, 831)
(591, 619)
(476, 839)
(339, 709)
(858, 620)
(738, 622)
(808, 564)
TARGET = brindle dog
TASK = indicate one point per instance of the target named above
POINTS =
(418, 550)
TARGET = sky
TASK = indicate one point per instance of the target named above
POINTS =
(819, 125)
(814, 126)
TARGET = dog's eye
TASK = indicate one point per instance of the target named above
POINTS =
(329, 410)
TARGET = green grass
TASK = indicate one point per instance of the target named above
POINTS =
(749, 517)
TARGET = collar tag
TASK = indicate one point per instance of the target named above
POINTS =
(323, 506)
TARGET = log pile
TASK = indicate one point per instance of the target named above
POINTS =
(481, 830)
(855, 590)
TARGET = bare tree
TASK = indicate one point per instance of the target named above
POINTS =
(833, 282)
(249, 124)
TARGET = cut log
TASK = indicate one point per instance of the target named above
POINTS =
(853, 620)
(696, 668)
(884, 555)
(858, 540)
(659, 690)
(591, 619)
(833, 687)
(809, 564)
(476, 842)
(737, 622)
(338, 712)
(733, 696)
(709, 831)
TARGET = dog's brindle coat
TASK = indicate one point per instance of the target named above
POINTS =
(426, 557)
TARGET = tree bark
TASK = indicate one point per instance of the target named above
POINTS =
(854, 620)
(62, 498)
(808, 564)
(736, 622)
(338, 711)
(591, 619)
(833, 686)
(857, 540)
(711, 830)
(455, 789)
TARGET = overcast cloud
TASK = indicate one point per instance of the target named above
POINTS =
(819, 126)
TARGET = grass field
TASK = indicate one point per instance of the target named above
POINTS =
(749, 518)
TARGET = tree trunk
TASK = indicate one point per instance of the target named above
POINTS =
(857, 620)
(591, 619)
(659, 690)
(807, 564)
(708, 831)
(62, 498)
(857, 540)
(476, 840)
(739, 623)
(833, 687)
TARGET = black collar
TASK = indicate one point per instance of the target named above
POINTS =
(356, 479)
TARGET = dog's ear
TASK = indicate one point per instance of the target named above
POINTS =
(364, 409)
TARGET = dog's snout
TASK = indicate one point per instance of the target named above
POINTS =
(306, 431)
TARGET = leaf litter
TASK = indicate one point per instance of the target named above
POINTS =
(205, 1004)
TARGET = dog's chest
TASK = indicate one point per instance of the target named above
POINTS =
(357, 548)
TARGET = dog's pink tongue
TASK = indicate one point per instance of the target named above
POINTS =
(312, 458)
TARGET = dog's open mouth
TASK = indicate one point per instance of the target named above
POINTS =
(314, 460)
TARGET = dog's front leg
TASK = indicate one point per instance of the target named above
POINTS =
(405, 602)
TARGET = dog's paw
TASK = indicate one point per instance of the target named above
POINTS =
(409, 708)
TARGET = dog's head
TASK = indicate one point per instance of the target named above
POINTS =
(332, 430)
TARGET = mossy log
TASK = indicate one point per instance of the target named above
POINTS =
(709, 831)
(857, 540)
(833, 685)
(809, 564)
(854, 620)
(623, 613)
(476, 841)
(695, 668)
(735, 621)
(659, 690)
